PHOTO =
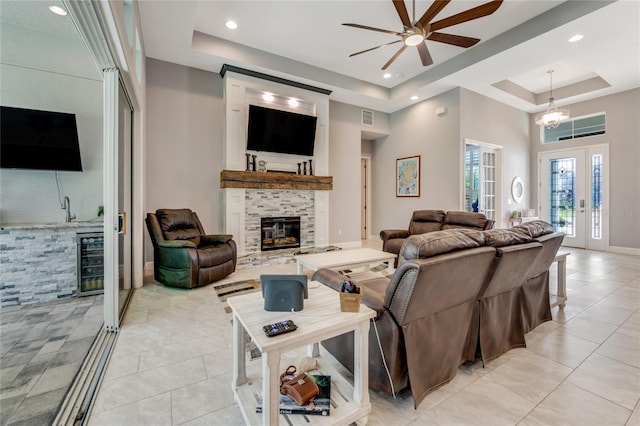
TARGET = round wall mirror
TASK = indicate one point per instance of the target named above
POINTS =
(517, 189)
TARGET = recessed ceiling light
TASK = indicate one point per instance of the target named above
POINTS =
(386, 75)
(268, 97)
(58, 10)
(232, 25)
(575, 38)
(293, 102)
(414, 98)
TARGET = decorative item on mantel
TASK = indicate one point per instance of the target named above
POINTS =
(304, 167)
(299, 168)
(310, 167)
(253, 162)
(248, 168)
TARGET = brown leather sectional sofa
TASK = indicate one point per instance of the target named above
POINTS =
(423, 221)
(456, 294)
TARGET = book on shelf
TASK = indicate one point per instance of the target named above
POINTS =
(320, 406)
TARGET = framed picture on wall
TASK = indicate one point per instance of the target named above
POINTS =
(408, 176)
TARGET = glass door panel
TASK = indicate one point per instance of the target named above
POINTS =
(125, 115)
(573, 195)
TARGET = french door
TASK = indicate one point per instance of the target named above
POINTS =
(481, 178)
(574, 195)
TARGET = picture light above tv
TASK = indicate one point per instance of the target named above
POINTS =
(38, 140)
(284, 132)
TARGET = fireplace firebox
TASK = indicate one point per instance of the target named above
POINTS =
(279, 232)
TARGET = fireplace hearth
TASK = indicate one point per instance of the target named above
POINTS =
(279, 232)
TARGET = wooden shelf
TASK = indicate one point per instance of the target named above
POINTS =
(274, 180)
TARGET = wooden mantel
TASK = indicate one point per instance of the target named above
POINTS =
(274, 180)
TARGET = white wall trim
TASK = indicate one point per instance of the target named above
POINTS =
(624, 250)
(148, 269)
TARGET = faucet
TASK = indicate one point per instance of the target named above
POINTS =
(67, 207)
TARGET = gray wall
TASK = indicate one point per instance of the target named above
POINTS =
(623, 137)
(345, 149)
(183, 153)
(486, 120)
(417, 130)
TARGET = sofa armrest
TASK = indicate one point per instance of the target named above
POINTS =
(333, 279)
(388, 234)
(330, 278)
(179, 244)
(177, 254)
(215, 239)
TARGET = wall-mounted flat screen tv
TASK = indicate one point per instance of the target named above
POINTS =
(279, 131)
(40, 140)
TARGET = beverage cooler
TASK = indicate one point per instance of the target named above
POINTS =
(90, 263)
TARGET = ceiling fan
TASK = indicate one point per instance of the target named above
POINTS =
(417, 32)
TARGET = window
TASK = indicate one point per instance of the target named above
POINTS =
(578, 127)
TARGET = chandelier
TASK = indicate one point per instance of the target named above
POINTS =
(552, 116)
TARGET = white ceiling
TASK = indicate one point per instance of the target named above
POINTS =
(304, 40)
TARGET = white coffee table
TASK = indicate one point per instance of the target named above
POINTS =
(342, 258)
(320, 319)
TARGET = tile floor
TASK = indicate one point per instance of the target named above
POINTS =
(42, 347)
(172, 361)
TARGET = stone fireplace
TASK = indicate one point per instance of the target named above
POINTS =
(279, 232)
(261, 204)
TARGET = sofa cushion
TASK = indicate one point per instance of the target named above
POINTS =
(464, 220)
(505, 237)
(214, 255)
(177, 224)
(439, 242)
(423, 221)
(534, 228)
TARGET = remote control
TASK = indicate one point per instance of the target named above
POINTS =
(279, 328)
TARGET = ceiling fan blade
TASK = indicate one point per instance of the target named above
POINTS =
(467, 15)
(402, 13)
(453, 39)
(393, 58)
(380, 30)
(374, 48)
(432, 12)
(425, 56)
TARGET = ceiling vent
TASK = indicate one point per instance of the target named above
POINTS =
(367, 118)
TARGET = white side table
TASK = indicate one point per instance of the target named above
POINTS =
(320, 319)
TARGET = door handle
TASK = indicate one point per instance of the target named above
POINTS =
(122, 223)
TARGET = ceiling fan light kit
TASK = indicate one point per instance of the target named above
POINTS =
(414, 39)
(552, 116)
(417, 32)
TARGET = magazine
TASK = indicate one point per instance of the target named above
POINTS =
(320, 406)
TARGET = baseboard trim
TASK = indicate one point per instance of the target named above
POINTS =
(624, 250)
(148, 268)
(348, 244)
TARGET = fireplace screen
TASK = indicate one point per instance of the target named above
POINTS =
(279, 232)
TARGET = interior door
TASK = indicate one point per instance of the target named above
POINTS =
(488, 173)
(481, 179)
(574, 194)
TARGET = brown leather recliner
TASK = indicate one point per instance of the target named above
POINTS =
(424, 311)
(423, 221)
(184, 256)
